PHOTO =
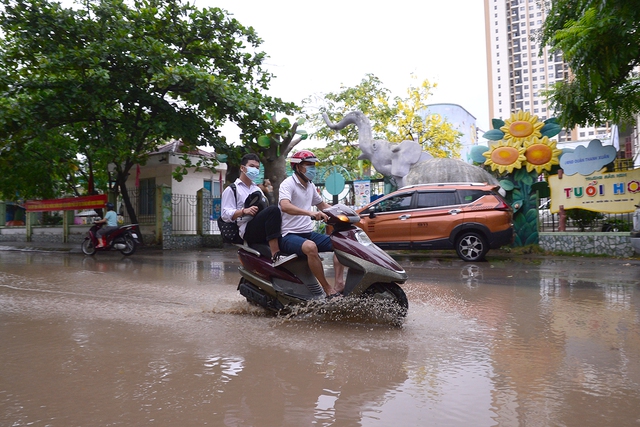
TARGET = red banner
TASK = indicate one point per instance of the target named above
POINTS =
(71, 203)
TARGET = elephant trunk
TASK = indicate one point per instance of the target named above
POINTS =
(362, 123)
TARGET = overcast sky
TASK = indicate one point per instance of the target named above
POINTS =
(314, 47)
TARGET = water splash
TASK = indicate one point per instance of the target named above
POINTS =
(347, 310)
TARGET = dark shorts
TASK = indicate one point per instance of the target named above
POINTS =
(106, 229)
(292, 243)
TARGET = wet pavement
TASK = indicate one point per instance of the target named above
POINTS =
(164, 338)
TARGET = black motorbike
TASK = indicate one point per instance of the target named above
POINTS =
(124, 239)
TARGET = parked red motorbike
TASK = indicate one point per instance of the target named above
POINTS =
(124, 239)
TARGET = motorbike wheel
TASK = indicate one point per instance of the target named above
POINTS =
(392, 295)
(471, 247)
(130, 245)
(88, 248)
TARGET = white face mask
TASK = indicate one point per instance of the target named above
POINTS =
(253, 173)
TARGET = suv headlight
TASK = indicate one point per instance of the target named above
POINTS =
(362, 238)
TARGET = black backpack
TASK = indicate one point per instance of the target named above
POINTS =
(229, 230)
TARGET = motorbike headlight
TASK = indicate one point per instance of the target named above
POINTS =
(362, 238)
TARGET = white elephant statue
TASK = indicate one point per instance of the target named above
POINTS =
(405, 161)
(390, 159)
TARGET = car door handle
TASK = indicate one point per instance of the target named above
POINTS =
(405, 216)
(455, 211)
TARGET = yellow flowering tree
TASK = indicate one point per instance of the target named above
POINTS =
(521, 152)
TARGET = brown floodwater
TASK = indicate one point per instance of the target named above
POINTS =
(165, 339)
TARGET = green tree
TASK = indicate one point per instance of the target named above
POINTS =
(277, 138)
(436, 136)
(393, 119)
(600, 41)
(111, 81)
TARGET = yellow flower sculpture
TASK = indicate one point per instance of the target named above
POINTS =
(505, 155)
(541, 154)
(521, 126)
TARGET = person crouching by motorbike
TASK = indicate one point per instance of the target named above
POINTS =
(111, 223)
(255, 225)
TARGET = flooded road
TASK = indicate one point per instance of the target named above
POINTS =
(165, 339)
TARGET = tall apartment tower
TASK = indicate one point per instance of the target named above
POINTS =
(518, 72)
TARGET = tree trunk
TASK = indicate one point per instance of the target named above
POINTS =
(276, 171)
(127, 201)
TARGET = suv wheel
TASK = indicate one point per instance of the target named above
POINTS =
(471, 246)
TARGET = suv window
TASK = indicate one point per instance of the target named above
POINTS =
(395, 203)
(434, 199)
(469, 196)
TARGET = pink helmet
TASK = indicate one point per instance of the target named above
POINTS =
(303, 156)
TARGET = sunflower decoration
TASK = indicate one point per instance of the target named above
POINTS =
(505, 156)
(524, 130)
(521, 127)
(520, 148)
(541, 154)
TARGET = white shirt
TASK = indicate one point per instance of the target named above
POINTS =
(231, 203)
(292, 189)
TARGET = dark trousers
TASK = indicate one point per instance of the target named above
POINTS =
(264, 226)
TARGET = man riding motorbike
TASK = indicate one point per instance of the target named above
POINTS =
(298, 194)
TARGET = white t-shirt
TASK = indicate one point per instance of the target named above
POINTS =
(292, 189)
(231, 203)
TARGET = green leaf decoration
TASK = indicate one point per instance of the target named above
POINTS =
(542, 188)
(520, 175)
(526, 228)
(526, 179)
(550, 130)
(506, 184)
(519, 221)
(301, 121)
(476, 153)
(302, 132)
(532, 215)
(516, 205)
(516, 241)
(264, 141)
(497, 123)
(551, 120)
(494, 135)
(532, 239)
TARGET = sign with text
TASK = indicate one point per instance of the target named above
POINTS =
(608, 192)
(588, 160)
(362, 191)
(71, 203)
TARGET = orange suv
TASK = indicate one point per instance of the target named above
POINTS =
(468, 217)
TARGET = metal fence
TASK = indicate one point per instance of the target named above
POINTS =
(144, 203)
(599, 222)
(184, 213)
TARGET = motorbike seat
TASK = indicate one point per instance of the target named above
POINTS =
(260, 247)
(111, 231)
